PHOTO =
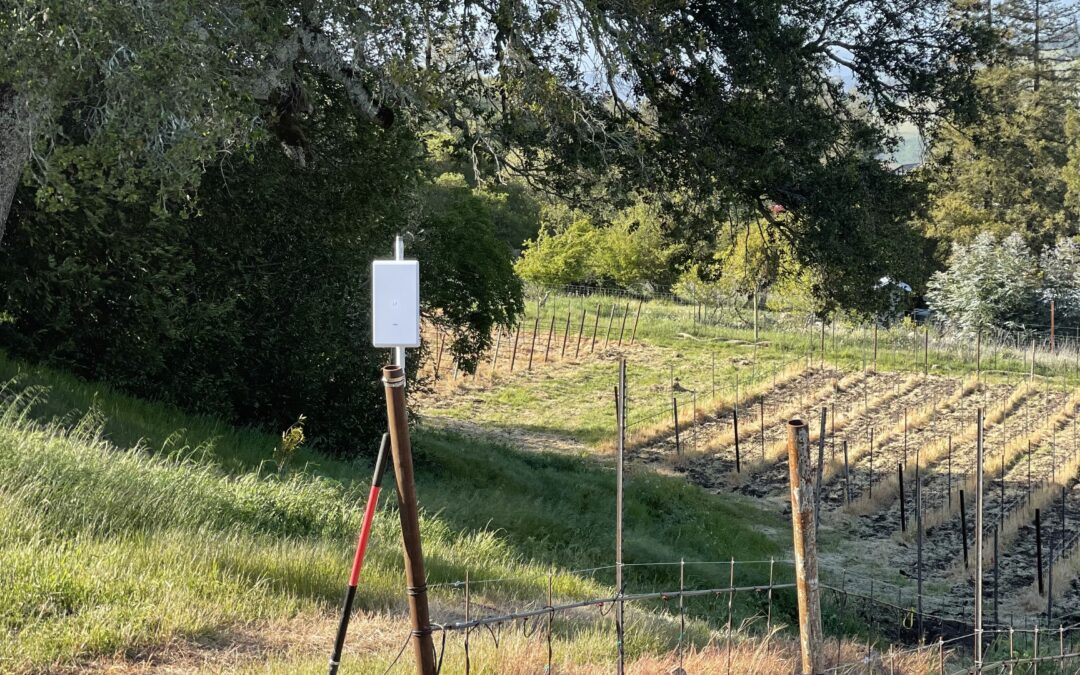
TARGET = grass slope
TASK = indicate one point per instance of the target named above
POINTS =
(111, 546)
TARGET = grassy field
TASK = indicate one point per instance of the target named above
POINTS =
(569, 393)
(112, 547)
(133, 535)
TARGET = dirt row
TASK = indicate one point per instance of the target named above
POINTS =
(895, 394)
(712, 429)
(951, 413)
(942, 548)
(843, 395)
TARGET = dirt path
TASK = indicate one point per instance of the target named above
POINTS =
(525, 439)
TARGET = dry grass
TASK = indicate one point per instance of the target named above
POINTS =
(835, 467)
(1013, 451)
(778, 450)
(887, 490)
(717, 407)
(1041, 497)
(301, 645)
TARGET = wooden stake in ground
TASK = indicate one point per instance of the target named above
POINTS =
(622, 326)
(800, 469)
(415, 579)
(596, 324)
(637, 315)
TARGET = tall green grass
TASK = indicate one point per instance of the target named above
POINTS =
(109, 545)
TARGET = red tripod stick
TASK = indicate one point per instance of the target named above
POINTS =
(361, 549)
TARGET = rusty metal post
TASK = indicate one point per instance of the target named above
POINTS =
(415, 579)
(800, 468)
(847, 476)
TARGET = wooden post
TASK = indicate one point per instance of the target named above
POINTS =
(532, 347)
(415, 579)
(551, 329)
(566, 334)
(581, 330)
(596, 324)
(513, 351)
(637, 315)
(607, 334)
(800, 471)
(495, 356)
(622, 326)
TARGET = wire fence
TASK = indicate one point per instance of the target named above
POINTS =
(936, 643)
(940, 628)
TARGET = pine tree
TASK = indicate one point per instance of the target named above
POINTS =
(1042, 36)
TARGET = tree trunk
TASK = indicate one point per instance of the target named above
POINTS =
(13, 152)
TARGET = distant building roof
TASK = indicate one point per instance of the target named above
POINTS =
(904, 169)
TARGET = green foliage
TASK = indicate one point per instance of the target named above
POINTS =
(291, 440)
(256, 308)
(560, 258)
(470, 285)
(629, 251)
(988, 283)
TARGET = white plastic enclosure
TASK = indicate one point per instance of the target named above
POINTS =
(395, 303)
